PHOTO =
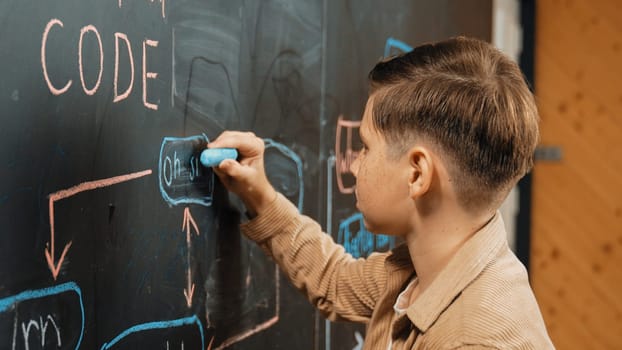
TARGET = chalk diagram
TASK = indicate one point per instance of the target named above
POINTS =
(60, 317)
(182, 181)
(57, 326)
(55, 317)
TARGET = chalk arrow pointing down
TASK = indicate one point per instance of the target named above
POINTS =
(66, 193)
(187, 226)
(49, 249)
(49, 256)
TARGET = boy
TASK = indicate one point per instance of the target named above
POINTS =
(448, 130)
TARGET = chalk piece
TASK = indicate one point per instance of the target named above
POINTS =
(213, 156)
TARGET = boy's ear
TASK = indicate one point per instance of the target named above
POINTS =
(422, 171)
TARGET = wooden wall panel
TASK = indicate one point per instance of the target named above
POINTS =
(576, 264)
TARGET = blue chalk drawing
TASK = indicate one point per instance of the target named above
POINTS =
(392, 42)
(12, 301)
(361, 243)
(182, 179)
(186, 321)
(296, 159)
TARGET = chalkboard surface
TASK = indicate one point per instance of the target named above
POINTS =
(112, 235)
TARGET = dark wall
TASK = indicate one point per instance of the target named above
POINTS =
(112, 234)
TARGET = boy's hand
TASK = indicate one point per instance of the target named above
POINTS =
(245, 177)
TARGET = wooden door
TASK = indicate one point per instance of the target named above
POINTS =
(576, 263)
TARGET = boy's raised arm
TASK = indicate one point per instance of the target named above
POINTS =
(313, 262)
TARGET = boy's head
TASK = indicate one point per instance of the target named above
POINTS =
(471, 103)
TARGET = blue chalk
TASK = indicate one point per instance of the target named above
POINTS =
(213, 156)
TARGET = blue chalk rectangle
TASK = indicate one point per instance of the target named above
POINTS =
(213, 156)
(182, 178)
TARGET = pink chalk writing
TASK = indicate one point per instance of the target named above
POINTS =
(46, 31)
(86, 29)
(127, 92)
(92, 31)
(148, 75)
(344, 158)
(187, 225)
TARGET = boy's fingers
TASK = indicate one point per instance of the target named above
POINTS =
(224, 167)
(245, 142)
(219, 171)
(229, 139)
(232, 168)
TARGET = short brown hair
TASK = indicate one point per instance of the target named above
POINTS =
(470, 100)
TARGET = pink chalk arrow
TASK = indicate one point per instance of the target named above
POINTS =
(188, 225)
(62, 194)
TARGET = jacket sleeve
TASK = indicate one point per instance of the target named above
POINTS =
(341, 287)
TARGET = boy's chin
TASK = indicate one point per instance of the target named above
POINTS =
(378, 229)
(369, 227)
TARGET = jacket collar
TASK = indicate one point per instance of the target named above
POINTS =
(461, 270)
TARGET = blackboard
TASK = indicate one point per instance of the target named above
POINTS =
(112, 234)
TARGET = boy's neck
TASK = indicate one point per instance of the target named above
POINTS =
(436, 239)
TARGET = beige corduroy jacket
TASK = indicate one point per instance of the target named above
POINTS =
(481, 300)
